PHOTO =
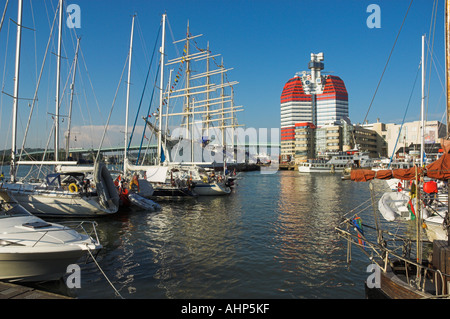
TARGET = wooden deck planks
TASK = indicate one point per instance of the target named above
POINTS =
(13, 291)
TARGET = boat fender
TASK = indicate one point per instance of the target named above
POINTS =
(73, 188)
(430, 187)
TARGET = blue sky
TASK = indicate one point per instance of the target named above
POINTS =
(265, 42)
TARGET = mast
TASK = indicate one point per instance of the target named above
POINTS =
(161, 92)
(125, 159)
(422, 107)
(447, 63)
(447, 79)
(207, 90)
(188, 71)
(58, 73)
(16, 91)
(222, 118)
(72, 86)
(166, 130)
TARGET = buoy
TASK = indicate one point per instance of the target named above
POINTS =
(430, 187)
(73, 188)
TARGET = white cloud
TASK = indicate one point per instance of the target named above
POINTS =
(90, 136)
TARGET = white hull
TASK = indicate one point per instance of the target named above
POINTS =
(34, 250)
(64, 204)
(33, 266)
(58, 201)
(435, 228)
(324, 168)
(393, 205)
(211, 189)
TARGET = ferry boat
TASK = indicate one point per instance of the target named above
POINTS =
(337, 162)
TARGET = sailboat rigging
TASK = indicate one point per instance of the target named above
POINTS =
(61, 194)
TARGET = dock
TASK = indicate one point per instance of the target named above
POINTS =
(288, 166)
(14, 291)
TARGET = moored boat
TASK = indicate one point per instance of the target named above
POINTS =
(69, 194)
(34, 250)
(336, 162)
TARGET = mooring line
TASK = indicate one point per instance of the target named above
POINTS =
(93, 258)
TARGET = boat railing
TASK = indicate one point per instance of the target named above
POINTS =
(383, 256)
(79, 226)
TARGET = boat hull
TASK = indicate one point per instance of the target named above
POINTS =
(60, 205)
(435, 228)
(36, 266)
(143, 203)
(392, 287)
(172, 192)
(319, 169)
(212, 189)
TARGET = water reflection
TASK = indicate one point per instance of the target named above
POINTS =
(309, 208)
(273, 238)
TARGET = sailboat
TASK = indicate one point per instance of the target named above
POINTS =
(402, 271)
(156, 182)
(134, 190)
(400, 202)
(192, 166)
(61, 194)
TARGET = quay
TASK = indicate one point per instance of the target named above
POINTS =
(14, 291)
(287, 166)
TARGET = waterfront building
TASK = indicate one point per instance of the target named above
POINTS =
(295, 108)
(336, 136)
(310, 97)
(397, 136)
(304, 141)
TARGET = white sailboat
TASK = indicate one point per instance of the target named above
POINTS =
(134, 190)
(66, 194)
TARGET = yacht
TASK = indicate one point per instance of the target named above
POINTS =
(69, 194)
(32, 249)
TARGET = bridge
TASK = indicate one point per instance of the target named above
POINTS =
(120, 149)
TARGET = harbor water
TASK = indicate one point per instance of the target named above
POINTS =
(273, 237)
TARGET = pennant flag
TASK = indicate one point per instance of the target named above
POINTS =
(412, 192)
(358, 224)
(163, 157)
(411, 209)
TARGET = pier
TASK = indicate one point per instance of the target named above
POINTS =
(288, 166)
(14, 291)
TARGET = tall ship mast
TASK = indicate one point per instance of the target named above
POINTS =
(207, 107)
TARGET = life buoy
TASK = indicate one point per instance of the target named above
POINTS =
(73, 188)
(134, 184)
